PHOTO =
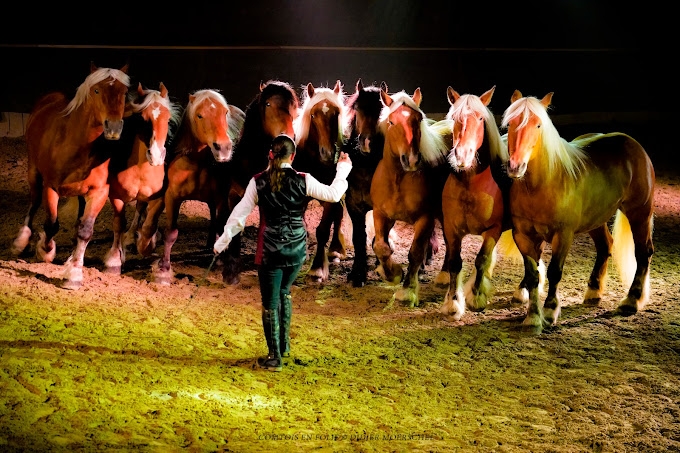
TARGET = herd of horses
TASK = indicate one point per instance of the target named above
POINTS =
(519, 191)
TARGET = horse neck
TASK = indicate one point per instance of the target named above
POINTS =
(81, 122)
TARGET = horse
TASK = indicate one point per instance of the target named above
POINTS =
(564, 188)
(407, 186)
(474, 199)
(61, 163)
(321, 129)
(365, 147)
(204, 142)
(270, 113)
(137, 166)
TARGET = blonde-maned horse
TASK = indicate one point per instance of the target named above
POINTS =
(565, 188)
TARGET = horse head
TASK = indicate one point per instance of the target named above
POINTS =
(278, 106)
(470, 116)
(524, 118)
(322, 124)
(366, 107)
(158, 112)
(103, 94)
(402, 119)
(214, 123)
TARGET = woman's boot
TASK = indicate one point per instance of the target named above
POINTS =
(270, 325)
(286, 313)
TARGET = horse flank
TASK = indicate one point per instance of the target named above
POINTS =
(433, 147)
(94, 78)
(470, 104)
(303, 120)
(559, 152)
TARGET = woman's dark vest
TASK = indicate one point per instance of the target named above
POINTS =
(282, 237)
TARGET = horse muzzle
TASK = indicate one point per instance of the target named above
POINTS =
(113, 129)
(221, 152)
(517, 171)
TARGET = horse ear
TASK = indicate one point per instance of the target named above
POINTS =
(486, 97)
(125, 68)
(452, 95)
(310, 89)
(386, 99)
(262, 85)
(338, 87)
(93, 67)
(547, 99)
(516, 95)
(163, 90)
(140, 90)
(191, 98)
(417, 96)
(383, 86)
(359, 86)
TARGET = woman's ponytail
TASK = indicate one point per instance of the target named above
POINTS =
(282, 147)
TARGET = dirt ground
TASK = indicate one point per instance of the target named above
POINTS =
(124, 364)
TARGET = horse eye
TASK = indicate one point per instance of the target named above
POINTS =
(268, 104)
(200, 117)
(312, 115)
(96, 91)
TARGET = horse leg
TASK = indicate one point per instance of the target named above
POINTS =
(163, 273)
(231, 270)
(46, 248)
(146, 240)
(25, 232)
(318, 271)
(479, 289)
(443, 277)
(640, 233)
(454, 301)
(129, 237)
(528, 290)
(598, 277)
(337, 249)
(388, 269)
(113, 261)
(560, 249)
(416, 256)
(359, 273)
(94, 202)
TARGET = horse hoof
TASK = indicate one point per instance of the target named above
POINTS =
(231, 280)
(113, 270)
(163, 281)
(72, 284)
(625, 310)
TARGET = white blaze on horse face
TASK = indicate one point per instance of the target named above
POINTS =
(325, 108)
(156, 153)
(155, 113)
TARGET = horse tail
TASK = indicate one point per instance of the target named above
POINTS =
(506, 246)
(623, 249)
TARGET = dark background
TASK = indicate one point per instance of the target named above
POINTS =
(596, 56)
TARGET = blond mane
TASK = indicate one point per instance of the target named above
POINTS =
(94, 78)
(302, 123)
(559, 153)
(469, 104)
(433, 147)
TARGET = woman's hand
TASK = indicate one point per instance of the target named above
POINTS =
(344, 157)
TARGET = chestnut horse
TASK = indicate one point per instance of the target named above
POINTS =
(270, 113)
(203, 144)
(321, 129)
(365, 148)
(473, 199)
(565, 188)
(407, 186)
(137, 167)
(62, 163)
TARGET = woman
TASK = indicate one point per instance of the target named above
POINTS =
(282, 194)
